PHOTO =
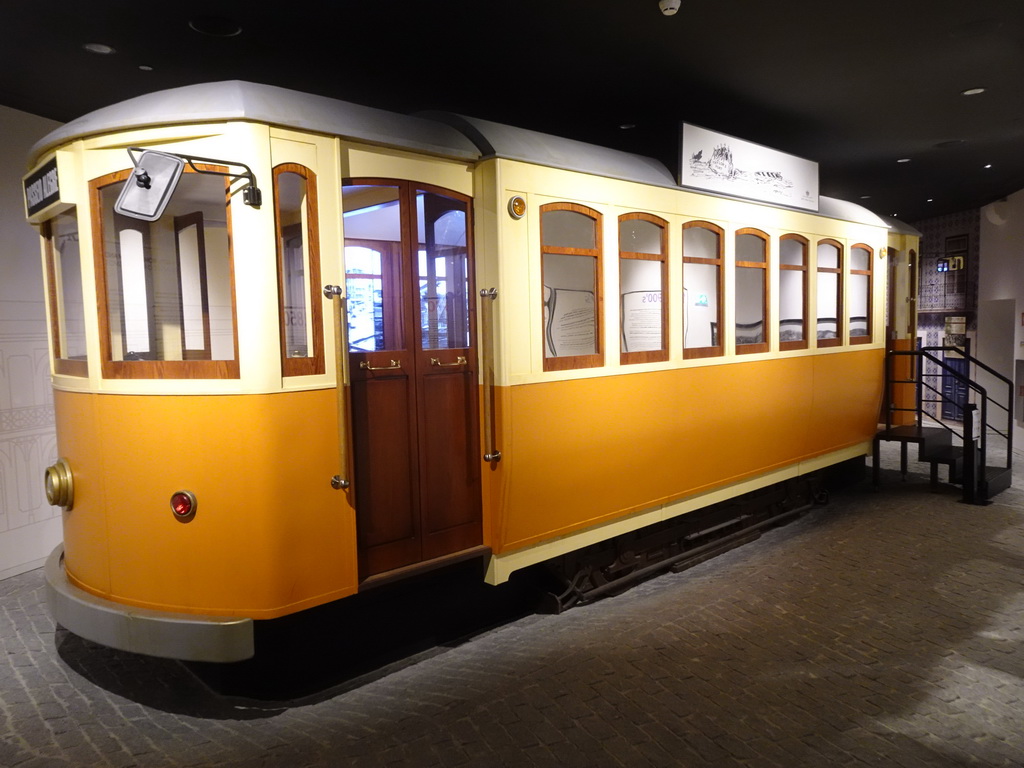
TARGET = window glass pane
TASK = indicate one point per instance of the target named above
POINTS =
(639, 236)
(292, 228)
(570, 319)
(373, 235)
(791, 305)
(750, 248)
(750, 287)
(640, 287)
(828, 256)
(859, 288)
(442, 272)
(568, 229)
(363, 287)
(192, 283)
(143, 278)
(828, 294)
(860, 259)
(700, 304)
(67, 269)
(135, 295)
(792, 252)
(700, 243)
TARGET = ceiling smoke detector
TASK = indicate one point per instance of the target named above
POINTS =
(669, 7)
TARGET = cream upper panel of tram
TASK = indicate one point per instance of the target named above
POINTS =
(517, 272)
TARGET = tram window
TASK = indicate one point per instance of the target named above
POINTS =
(643, 273)
(860, 294)
(166, 287)
(373, 252)
(443, 281)
(571, 276)
(298, 270)
(792, 292)
(702, 289)
(751, 291)
(67, 305)
(830, 293)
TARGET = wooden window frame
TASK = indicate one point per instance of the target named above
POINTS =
(715, 350)
(61, 365)
(155, 369)
(762, 346)
(313, 364)
(785, 346)
(869, 273)
(647, 356)
(573, 362)
(840, 307)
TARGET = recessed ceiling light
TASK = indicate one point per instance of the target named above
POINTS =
(931, 200)
(865, 197)
(98, 48)
(903, 160)
(988, 165)
(627, 126)
(145, 67)
(972, 92)
(215, 26)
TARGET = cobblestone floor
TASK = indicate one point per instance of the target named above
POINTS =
(883, 629)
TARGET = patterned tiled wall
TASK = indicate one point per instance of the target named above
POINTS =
(948, 293)
(29, 527)
(942, 294)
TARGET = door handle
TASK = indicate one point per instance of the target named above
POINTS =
(395, 365)
(460, 360)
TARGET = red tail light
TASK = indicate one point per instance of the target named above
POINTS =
(183, 505)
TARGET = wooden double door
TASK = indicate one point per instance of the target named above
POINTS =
(413, 363)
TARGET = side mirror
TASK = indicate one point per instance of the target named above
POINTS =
(148, 190)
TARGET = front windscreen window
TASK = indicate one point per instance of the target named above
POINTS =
(166, 300)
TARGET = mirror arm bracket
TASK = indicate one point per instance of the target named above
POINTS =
(251, 193)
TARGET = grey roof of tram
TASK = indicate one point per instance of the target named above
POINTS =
(445, 134)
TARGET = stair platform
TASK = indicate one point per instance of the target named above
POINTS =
(935, 446)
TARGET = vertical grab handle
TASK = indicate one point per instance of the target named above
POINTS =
(488, 297)
(337, 296)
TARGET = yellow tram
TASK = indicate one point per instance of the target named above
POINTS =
(354, 345)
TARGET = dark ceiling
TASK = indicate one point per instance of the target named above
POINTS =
(856, 87)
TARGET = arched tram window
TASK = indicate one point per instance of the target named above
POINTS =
(643, 298)
(166, 288)
(571, 275)
(793, 250)
(67, 305)
(298, 270)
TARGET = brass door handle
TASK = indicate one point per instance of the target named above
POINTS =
(395, 365)
(460, 360)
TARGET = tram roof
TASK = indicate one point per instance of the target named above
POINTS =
(241, 100)
(439, 133)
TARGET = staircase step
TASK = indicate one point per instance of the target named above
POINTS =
(998, 479)
(951, 456)
(915, 434)
(941, 454)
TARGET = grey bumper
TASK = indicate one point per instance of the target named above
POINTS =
(156, 633)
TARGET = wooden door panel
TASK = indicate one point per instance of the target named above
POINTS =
(385, 473)
(449, 464)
